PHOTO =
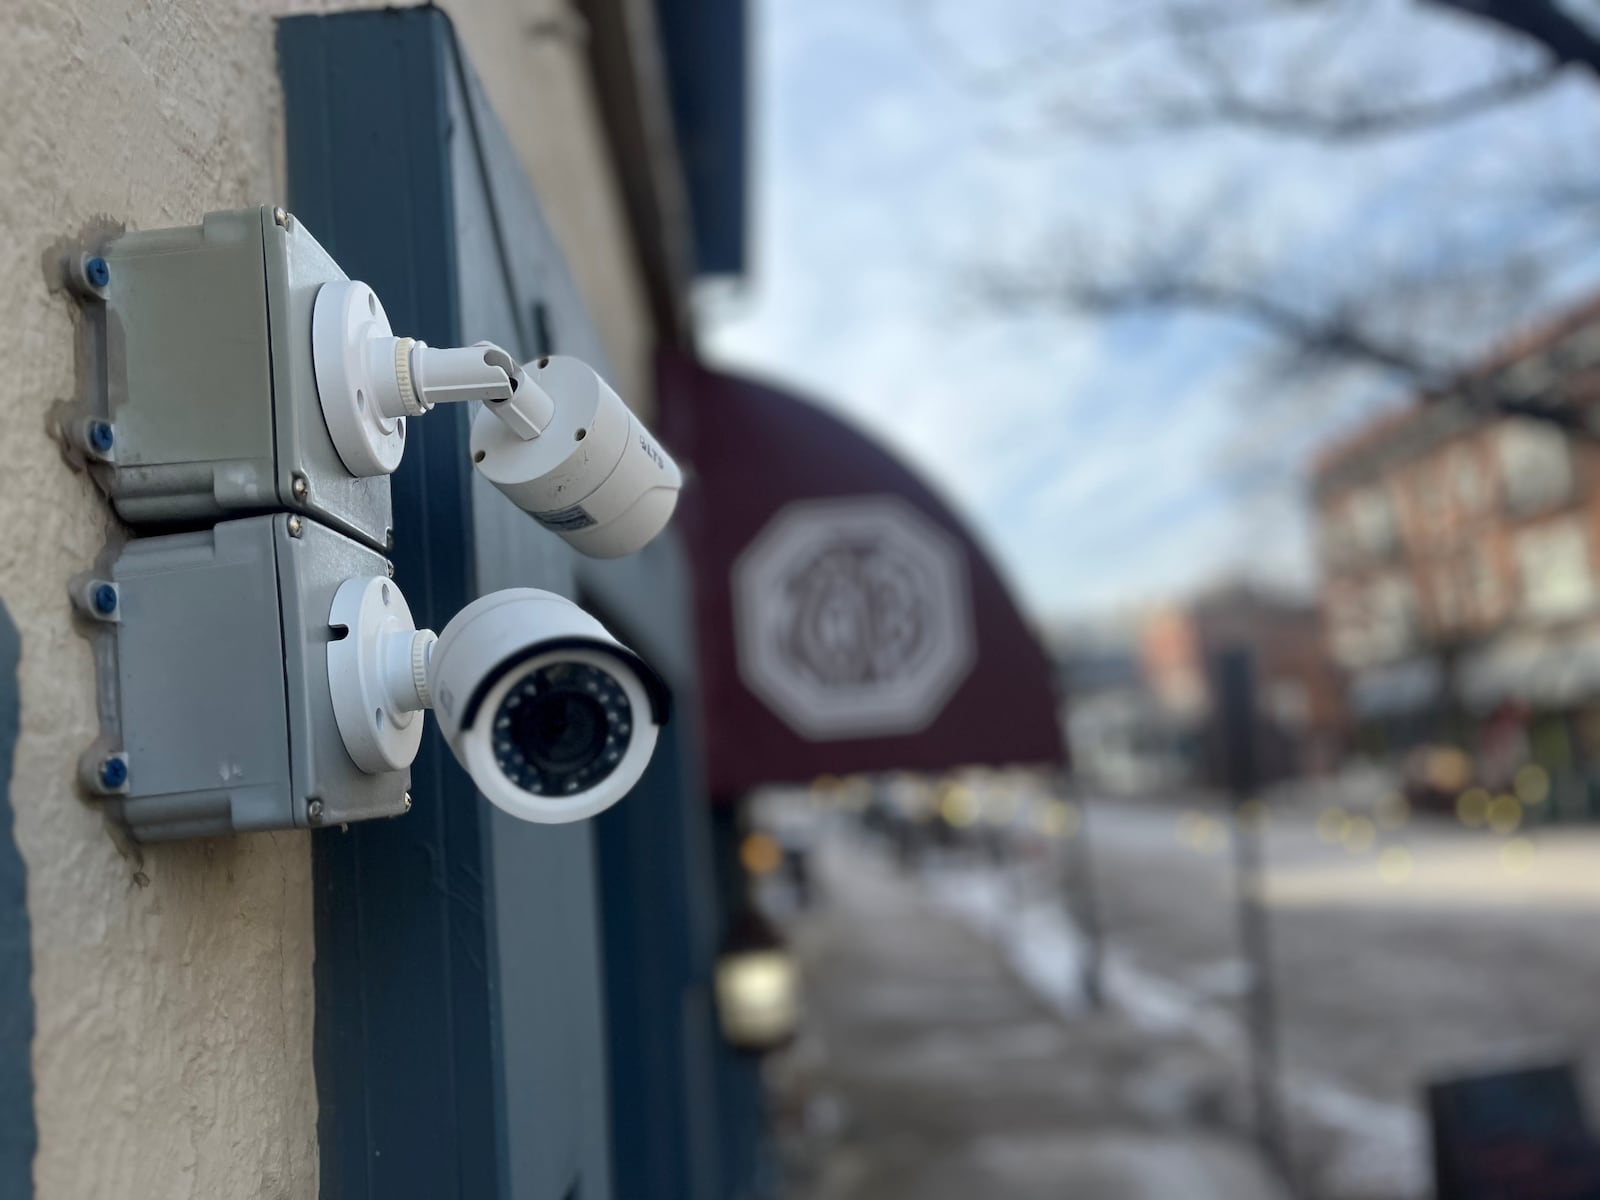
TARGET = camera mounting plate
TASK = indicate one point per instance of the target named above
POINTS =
(377, 674)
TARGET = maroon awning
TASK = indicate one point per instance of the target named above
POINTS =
(847, 620)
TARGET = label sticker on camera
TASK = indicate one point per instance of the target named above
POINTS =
(565, 520)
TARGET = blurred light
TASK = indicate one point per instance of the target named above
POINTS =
(1057, 818)
(1447, 769)
(825, 785)
(758, 998)
(1472, 807)
(1394, 864)
(958, 806)
(1517, 855)
(1359, 835)
(1206, 834)
(1393, 812)
(1505, 813)
(1331, 824)
(1532, 784)
(761, 854)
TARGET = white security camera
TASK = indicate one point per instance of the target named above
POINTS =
(550, 434)
(594, 475)
(554, 719)
(552, 716)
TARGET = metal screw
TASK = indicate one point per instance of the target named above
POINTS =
(97, 271)
(301, 487)
(406, 801)
(295, 527)
(314, 811)
(105, 599)
(280, 217)
(113, 773)
(389, 567)
(101, 437)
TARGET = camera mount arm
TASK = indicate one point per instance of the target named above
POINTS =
(482, 371)
(369, 381)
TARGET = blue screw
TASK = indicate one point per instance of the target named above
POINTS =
(105, 599)
(113, 773)
(101, 437)
(97, 271)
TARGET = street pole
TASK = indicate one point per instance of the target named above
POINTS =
(1083, 902)
(1233, 673)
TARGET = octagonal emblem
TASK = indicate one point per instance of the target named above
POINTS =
(853, 617)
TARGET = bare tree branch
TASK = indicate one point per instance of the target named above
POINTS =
(1220, 100)
(1331, 333)
(1568, 41)
(1233, 108)
(1201, 31)
(1418, 312)
(1414, 302)
(1127, 32)
(1353, 124)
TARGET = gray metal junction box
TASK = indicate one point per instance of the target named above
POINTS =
(197, 377)
(213, 673)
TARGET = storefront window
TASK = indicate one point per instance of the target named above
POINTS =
(1535, 465)
(1553, 559)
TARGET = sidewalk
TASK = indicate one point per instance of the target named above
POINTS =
(928, 1072)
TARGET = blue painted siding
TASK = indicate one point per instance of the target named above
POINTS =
(18, 1134)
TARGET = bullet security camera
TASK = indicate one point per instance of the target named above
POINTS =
(552, 716)
(594, 475)
(554, 719)
(550, 434)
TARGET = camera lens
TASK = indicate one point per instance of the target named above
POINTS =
(562, 729)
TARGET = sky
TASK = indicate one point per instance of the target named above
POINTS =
(1107, 463)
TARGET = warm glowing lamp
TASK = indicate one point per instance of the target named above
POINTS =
(757, 986)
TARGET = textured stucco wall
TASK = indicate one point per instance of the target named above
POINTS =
(172, 1054)
(172, 1057)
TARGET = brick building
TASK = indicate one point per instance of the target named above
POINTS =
(1459, 547)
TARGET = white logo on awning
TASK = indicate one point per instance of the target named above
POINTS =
(853, 617)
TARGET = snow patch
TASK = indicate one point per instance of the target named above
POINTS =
(1380, 1147)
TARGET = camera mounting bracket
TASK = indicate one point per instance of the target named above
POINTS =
(377, 674)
